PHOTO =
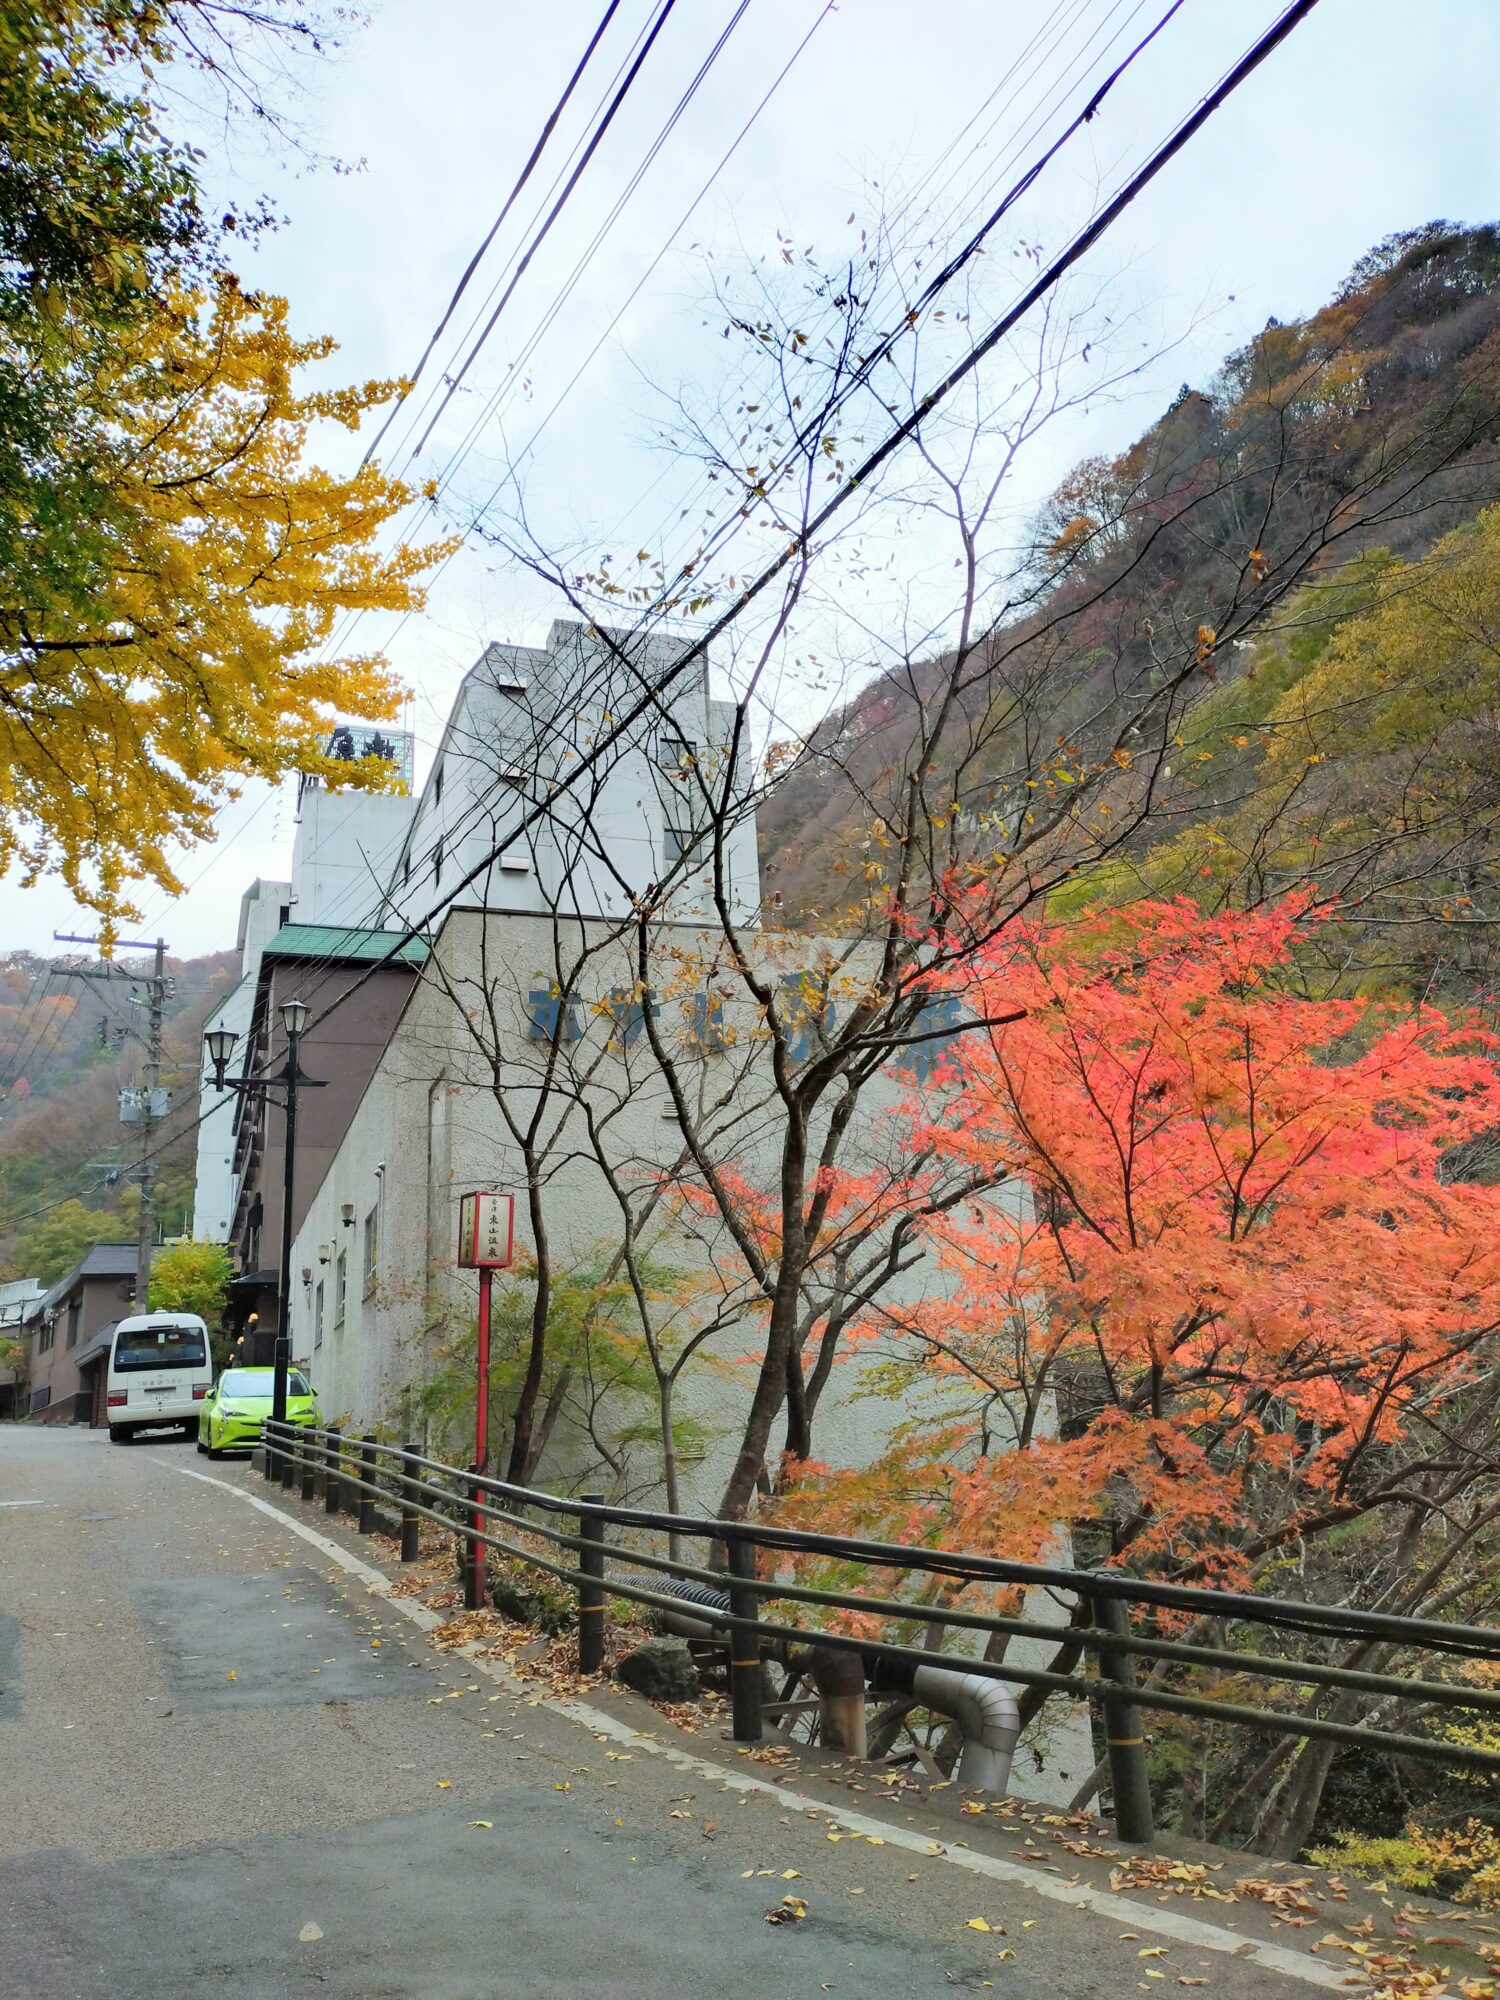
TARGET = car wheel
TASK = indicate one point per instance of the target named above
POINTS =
(213, 1449)
(118, 1434)
(201, 1445)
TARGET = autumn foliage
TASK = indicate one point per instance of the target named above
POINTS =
(1242, 1275)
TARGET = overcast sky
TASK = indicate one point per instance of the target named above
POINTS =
(1374, 116)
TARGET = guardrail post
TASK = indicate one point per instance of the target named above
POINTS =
(474, 1547)
(744, 1646)
(367, 1484)
(1128, 1777)
(591, 1594)
(267, 1451)
(309, 1461)
(288, 1463)
(333, 1446)
(411, 1521)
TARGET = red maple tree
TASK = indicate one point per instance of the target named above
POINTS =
(1244, 1274)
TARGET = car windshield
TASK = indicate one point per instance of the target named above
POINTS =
(159, 1347)
(244, 1382)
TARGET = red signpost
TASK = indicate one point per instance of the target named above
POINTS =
(486, 1243)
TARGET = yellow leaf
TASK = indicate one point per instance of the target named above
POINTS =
(976, 1924)
(445, 1784)
(487, 1824)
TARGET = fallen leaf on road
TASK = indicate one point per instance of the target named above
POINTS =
(487, 1824)
(791, 1909)
(790, 1874)
(231, 1675)
(309, 1934)
(976, 1924)
(445, 1784)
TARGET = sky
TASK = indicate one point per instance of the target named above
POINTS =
(1374, 116)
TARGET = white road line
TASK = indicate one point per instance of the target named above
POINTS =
(1104, 1903)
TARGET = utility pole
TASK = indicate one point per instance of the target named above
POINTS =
(152, 1110)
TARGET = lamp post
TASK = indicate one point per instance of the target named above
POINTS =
(289, 1079)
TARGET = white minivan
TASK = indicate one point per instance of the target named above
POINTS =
(160, 1369)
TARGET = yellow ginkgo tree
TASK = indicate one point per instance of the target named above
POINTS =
(167, 621)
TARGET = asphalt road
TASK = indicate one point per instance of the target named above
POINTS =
(226, 1766)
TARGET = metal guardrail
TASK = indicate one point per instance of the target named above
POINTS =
(365, 1471)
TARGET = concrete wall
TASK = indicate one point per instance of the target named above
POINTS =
(346, 847)
(216, 1187)
(431, 1121)
(523, 719)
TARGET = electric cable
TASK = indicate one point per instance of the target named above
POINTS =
(510, 200)
(1047, 278)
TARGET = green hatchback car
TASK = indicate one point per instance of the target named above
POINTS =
(239, 1403)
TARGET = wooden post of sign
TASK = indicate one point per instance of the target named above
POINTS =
(482, 1404)
(486, 1242)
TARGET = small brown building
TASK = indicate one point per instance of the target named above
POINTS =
(66, 1358)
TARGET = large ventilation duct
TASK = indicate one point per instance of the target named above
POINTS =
(986, 1713)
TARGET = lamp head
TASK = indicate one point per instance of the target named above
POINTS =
(294, 1017)
(220, 1045)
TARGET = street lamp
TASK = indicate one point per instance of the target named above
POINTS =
(289, 1079)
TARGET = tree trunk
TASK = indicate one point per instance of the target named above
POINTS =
(522, 1422)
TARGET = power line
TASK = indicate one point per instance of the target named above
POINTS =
(466, 444)
(1078, 247)
(454, 382)
(461, 452)
(510, 200)
(933, 289)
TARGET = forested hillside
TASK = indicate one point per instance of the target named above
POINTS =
(67, 1048)
(1345, 734)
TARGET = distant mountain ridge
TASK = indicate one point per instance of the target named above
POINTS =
(1404, 358)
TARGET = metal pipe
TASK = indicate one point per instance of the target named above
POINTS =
(986, 1714)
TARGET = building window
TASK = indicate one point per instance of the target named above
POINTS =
(372, 1249)
(318, 1315)
(679, 845)
(807, 1016)
(437, 861)
(936, 1023)
(553, 1019)
(40, 1398)
(340, 1288)
(629, 1007)
(706, 1021)
(437, 785)
(75, 1313)
(44, 1338)
(675, 753)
